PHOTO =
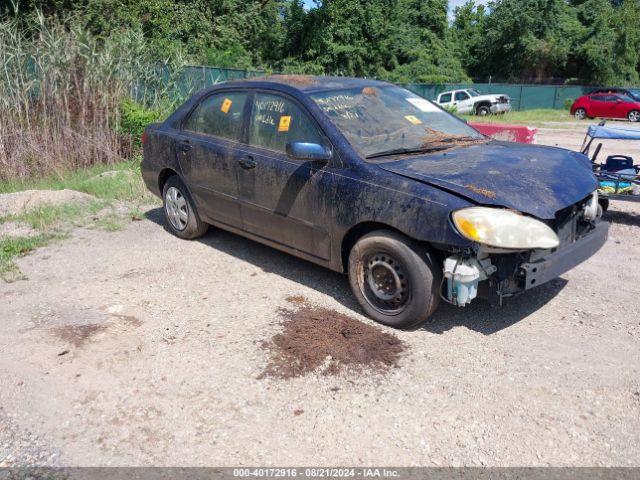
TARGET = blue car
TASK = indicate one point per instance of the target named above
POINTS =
(370, 179)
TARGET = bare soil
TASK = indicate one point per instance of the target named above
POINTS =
(16, 229)
(324, 341)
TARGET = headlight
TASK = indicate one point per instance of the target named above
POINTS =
(502, 228)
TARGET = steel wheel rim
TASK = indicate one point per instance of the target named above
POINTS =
(384, 283)
(176, 209)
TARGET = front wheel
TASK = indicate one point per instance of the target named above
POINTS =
(483, 111)
(634, 116)
(393, 280)
(580, 114)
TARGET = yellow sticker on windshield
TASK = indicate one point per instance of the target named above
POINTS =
(226, 105)
(413, 119)
(285, 121)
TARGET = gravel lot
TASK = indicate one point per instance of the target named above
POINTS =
(137, 348)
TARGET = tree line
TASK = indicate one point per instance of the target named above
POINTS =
(578, 41)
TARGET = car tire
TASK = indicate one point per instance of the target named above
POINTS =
(634, 116)
(483, 111)
(580, 114)
(180, 214)
(393, 279)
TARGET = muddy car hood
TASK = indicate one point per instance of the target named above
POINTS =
(529, 178)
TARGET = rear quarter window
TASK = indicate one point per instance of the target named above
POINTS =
(218, 115)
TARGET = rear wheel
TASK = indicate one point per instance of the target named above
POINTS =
(393, 280)
(181, 217)
(634, 116)
(580, 113)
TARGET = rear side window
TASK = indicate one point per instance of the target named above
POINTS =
(219, 115)
(276, 121)
(445, 98)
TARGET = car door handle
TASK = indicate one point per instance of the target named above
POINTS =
(247, 162)
(185, 146)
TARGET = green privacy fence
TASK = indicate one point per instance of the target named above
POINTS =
(523, 97)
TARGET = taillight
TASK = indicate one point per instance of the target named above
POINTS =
(144, 138)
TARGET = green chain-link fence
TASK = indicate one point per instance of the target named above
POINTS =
(523, 97)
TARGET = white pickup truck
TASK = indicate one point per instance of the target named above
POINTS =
(471, 101)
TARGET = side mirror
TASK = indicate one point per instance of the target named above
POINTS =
(308, 151)
(618, 100)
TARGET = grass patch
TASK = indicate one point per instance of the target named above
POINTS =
(13, 247)
(109, 184)
(110, 223)
(47, 217)
(535, 117)
(117, 181)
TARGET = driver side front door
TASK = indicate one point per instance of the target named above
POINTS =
(463, 102)
(283, 199)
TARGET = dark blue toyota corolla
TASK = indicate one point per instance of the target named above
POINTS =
(370, 179)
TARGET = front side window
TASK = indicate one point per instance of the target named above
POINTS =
(445, 98)
(276, 121)
(379, 120)
(460, 96)
(219, 115)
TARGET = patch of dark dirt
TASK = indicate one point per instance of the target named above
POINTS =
(78, 335)
(482, 191)
(293, 80)
(373, 91)
(315, 339)
(436, 139)
(296, 299)
(129, 319)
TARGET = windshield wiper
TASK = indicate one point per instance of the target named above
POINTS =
(406, 151)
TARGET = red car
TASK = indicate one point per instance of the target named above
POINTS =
(606, 105)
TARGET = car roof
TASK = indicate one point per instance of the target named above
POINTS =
(610, 90)
(306, 83)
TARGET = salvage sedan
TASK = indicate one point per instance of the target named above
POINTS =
(367, 178)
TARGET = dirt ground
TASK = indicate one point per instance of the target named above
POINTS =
(137, 348)
(571, 135)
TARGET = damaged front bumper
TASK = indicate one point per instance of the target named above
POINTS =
(542, 270)
(500, 107)
(501, 275)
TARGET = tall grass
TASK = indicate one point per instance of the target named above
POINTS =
(61, 91)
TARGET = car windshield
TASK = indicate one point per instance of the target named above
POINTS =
(380, 121)
(473, 92)
(635, 93)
